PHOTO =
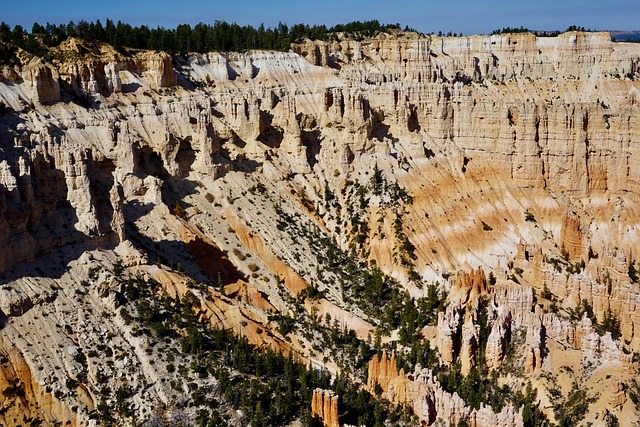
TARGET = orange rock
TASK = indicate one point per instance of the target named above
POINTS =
(382, 371)
(618, 396)
(429, 401)
(324, 404)
(23, 396)
(256, 245)
(472, 284)
(571, 236)
(224, 313)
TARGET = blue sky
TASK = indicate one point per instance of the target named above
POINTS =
(466, 16)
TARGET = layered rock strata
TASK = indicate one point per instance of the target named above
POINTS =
(518, 153)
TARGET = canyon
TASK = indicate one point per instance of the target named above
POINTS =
(496, 172)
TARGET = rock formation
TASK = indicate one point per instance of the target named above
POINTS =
(324, 404)
(446, 330)
(244, 182)
(497, 341)
(42, 82)
(571, 237)
(429, 401)
(468, 345)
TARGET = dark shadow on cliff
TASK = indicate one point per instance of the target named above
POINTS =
(413, 124)
(185, 157)
(270, 135)
(196, 258)
(170, 253)
(130, 87)
(175, 190)
(333, 63)
(380, 130)
(44, 236)
(10, 120)
(150, 163)
(313, 143)
(233, 74)
(52, 260)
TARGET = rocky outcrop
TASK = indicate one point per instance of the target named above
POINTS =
(64, 197)
(497, 341)
(382, 372)
(96, 69)
(157, 67)
(517, 300)
(23, 396)
(497, 57)
(42, 82)
(571, 237)
(534, 340)
(468, 346)
(618, 397)
(448, 322)
(324, 404)
(471, 285)
(429, 401)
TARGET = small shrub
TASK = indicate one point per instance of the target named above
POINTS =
(239, 254)
(179, 211)
(633, 273)
(492, 279)
(528, 216)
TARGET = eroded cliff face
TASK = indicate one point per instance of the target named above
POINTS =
(516, 155)
(325, 406)
(429, 401)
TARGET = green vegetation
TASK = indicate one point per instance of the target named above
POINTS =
(14, 389)
(528, 216)
(634, 393)
(271, 388)
(511, 30)
(563, 263)
(610, 322)
(480, 387)
(577, 28)
(521, 29)
(179, 211)
(221, 36)
(378, 295)
(390, 197)
(569, 410)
